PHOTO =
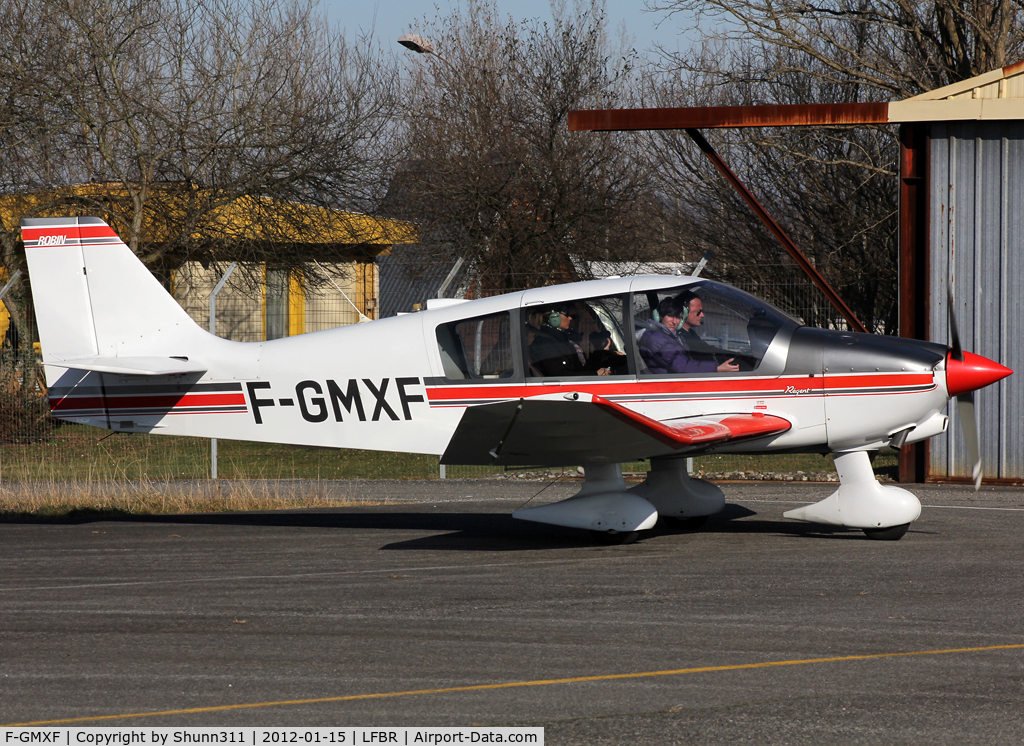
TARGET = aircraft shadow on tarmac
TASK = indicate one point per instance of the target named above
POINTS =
(464, 531)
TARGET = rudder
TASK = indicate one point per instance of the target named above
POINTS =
(94, 298)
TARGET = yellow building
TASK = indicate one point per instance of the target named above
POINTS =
(259, 301)
(5, 316)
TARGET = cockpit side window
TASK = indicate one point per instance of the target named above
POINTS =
(581, 337)
(477, 349)
(703, 328)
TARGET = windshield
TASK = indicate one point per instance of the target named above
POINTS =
(704, 327)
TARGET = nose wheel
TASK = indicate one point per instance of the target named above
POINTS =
(685, 524)
(883, 512)
(614, 538)
(892, 533)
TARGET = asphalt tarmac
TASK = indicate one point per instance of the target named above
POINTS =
(429, 605)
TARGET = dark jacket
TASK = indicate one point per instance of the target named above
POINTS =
(553, 354)
(607, 359)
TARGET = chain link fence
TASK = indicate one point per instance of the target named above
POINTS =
(35, 447)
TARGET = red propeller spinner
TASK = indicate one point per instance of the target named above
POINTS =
(972, 373)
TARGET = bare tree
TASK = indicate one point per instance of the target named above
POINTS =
(491, 172)
(196, 129)
(892, 48)
(833, 188)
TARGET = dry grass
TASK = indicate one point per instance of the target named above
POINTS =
(53, 499)
(87, 453)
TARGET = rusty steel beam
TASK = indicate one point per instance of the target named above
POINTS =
(699, 117)
(914, 270)
(798, 256)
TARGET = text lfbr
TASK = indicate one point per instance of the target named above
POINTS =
(116, 736)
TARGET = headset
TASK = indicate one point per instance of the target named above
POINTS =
(555, 318)
(686, 306)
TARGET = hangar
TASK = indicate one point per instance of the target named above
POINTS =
(961, 190)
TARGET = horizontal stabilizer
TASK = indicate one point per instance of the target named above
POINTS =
(133, 366)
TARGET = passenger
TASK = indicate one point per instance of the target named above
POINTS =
(533, 323)
(604, 359)
(671, 345)
(552, 352)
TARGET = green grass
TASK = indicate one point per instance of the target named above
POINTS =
(78, 452)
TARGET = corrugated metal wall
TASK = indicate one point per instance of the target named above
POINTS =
(977, 244)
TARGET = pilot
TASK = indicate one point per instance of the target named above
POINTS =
(604, 359)
(672, 345)
(553, 352)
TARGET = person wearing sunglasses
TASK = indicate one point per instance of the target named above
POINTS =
(668, 347)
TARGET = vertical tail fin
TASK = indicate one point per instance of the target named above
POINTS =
(95, 299)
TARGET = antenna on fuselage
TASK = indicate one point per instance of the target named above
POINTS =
(702, 263)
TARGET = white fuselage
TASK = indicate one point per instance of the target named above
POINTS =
(383, 386)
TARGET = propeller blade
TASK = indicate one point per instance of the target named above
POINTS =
(957, 350)
(969, 426)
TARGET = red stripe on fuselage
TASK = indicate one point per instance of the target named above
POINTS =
(877, 380)
(753, 386)
(156, 401)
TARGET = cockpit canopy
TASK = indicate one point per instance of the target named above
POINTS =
(603, 335)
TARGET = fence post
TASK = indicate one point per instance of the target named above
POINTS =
(213, 331)
(10, 282)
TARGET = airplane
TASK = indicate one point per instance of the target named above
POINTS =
(552, 376)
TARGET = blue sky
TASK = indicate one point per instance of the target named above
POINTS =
(389, 19)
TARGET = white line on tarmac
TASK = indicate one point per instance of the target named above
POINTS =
(968, 507)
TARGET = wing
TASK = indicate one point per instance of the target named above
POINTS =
(578, 428)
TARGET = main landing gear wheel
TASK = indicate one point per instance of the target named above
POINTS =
(696, 523)
(614, 537)
(892, 533)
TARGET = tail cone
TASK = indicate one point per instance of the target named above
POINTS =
(972, 373)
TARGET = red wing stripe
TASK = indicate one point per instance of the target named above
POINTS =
(755, 424)
(698, 430)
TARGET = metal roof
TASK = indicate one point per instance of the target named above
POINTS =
(998, 94)
(245, 217)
